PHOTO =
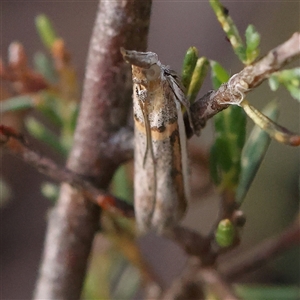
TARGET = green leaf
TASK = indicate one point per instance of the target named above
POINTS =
(197, 79)
(230, 128)
(50, 106)
(45, 30)
(252, 44)
(127, 285)
(121, 185)
(225, 233)
(253, 153)
(213, 165)
(97, 281)
(60, 112)
(224, 156)
(50, 191)
(274, 83)
(276, 131)
(189, 63)
(252, 38)
(294, 91)
(5, 193)
(42, 133)
(17, 103)
(256, 292)
(290, 79)
(45, 102)
(110, 276)
(73, 117)
(44, 65)
(229, 28)
(219, 74)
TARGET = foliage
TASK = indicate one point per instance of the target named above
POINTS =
(234, 158)
(290, 79)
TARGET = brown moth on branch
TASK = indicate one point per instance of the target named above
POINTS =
(160, 155)
(121, 144)
(74, 221)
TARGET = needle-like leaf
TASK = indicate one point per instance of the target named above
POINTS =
(188, 67)
(253, 153)
(45, 30)
(230, 128)
(199, 74)
(42, 133)
(276, 131)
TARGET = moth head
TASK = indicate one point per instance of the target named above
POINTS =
(152, 73)
(139, 59)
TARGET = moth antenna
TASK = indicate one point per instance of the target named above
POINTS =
(149, 146)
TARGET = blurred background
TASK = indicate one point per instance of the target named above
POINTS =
(273, 199)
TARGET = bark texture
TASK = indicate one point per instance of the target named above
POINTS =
(104, 110)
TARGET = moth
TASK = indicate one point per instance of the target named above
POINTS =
(161, 187)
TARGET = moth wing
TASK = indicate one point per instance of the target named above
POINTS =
(178, 90)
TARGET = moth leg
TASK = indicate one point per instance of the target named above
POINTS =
(148, 134)
(142, 96)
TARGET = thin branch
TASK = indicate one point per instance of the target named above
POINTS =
(187, 286)
(120, 145)
(17, 145)
(262, 254)
(275, 60)
(104, 108)
(190, 284)
(193, 243)
(232, 92)
(241, 83)
(217, 284)
(203, 247)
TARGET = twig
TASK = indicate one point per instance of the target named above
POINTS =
(187, 286)
(124, 238)
(104, 108)
(190, 284)
(213, 102)
(120, 146)
(192, 242)
(260, 255)
(242, 83)
(217, 284)
(16, 144)
(204, 247)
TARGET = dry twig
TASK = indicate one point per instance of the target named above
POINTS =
(17, 145)
(260, 255)
(194, 277)
(243, 82)
(217, 284)
(187, 286)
